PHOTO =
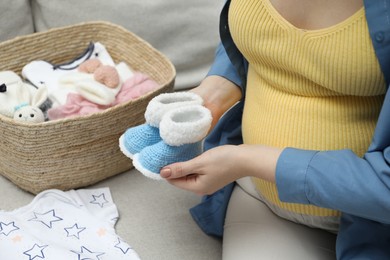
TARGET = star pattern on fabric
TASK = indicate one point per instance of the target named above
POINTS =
(86, 254)
(124, 247)
(46, 218)
(74, 231)
(99, 200)
(35, 251)
(6, 229)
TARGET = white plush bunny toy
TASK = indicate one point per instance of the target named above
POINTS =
(13, 92)
(31, 113)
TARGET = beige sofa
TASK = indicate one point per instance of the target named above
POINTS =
(154, 217)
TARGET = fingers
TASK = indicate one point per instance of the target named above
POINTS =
(177, 170)
(189, 183)
(192, 176)
(185, 175)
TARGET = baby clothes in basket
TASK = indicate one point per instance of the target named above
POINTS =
(41, 72)
(77, 224)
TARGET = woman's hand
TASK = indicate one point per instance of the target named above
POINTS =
(222, 165)
(206, 173)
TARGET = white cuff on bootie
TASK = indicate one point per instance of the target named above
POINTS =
(165, 102)
(185, 125)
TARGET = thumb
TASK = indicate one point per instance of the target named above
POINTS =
(177, 170)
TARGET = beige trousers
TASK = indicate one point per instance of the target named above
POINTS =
(253, 231)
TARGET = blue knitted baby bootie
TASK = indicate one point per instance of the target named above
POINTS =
(151, 159)
(137, 138)
(182, 131)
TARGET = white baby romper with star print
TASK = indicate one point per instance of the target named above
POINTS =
(57, 225)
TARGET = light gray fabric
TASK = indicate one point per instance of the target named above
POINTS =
(253, 232)
(15, 18)
(329, 223)
(185, 31)
(153, 217)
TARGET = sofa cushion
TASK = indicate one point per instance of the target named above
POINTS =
(15, 18)
(186, 32)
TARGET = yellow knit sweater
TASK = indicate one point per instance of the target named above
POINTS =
(309, 89)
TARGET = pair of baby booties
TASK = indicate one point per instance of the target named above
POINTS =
(176, 124)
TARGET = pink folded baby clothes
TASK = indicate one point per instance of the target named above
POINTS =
(136, 86)
(76, 105)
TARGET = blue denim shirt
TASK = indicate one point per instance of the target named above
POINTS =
(365, 224)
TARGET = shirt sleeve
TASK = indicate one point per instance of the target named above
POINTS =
(337, 179)
(222, 66)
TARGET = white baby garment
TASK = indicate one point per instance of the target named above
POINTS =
(57, 225)
(41, 72)
(85, 85)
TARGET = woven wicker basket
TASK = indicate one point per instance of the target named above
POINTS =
(75, 152)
